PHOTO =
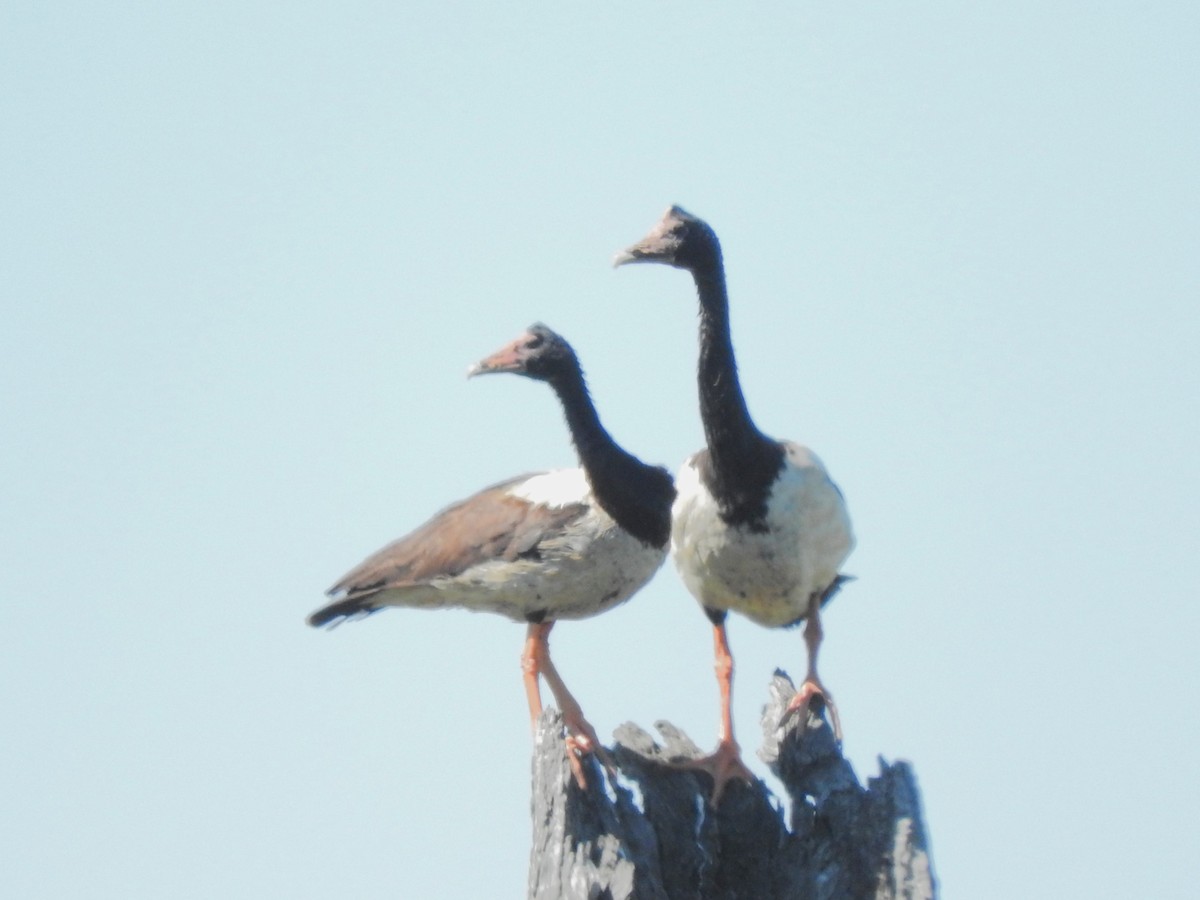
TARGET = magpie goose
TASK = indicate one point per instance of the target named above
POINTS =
(758, 525)
(563, 544)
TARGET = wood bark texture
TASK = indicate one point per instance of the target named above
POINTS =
(647, 830)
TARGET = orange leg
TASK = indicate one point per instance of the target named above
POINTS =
(531, 664)
(812, 686)
(581, 737)
(725, 763)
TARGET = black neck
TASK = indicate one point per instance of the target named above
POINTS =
(742, 461)
(636, 495)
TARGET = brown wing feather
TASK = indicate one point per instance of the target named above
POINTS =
(490, 524)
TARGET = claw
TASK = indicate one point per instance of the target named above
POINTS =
(722, 765)
(580, 741)
(800, 703)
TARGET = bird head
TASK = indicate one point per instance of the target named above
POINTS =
(539, 353)
(679, 239)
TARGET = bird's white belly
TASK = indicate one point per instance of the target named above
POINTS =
(770, 576)
(589, 568)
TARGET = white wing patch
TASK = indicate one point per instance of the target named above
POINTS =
(556, 488)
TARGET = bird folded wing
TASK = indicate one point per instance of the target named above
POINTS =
(489, 525)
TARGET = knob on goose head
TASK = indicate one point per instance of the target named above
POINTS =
(539, 353)
(680, 240)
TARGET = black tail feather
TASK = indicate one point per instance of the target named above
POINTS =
(342, 611)
(834, 587)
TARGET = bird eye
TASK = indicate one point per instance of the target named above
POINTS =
(535, 341)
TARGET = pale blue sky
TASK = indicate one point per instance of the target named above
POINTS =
(248, 252)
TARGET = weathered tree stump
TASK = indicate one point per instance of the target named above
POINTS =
(649, 833)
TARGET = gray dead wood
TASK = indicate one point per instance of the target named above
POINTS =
(649, 833)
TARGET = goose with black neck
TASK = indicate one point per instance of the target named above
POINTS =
(758, 525)
(562, 544)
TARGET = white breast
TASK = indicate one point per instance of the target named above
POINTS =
(593, 566)
(769, 576)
